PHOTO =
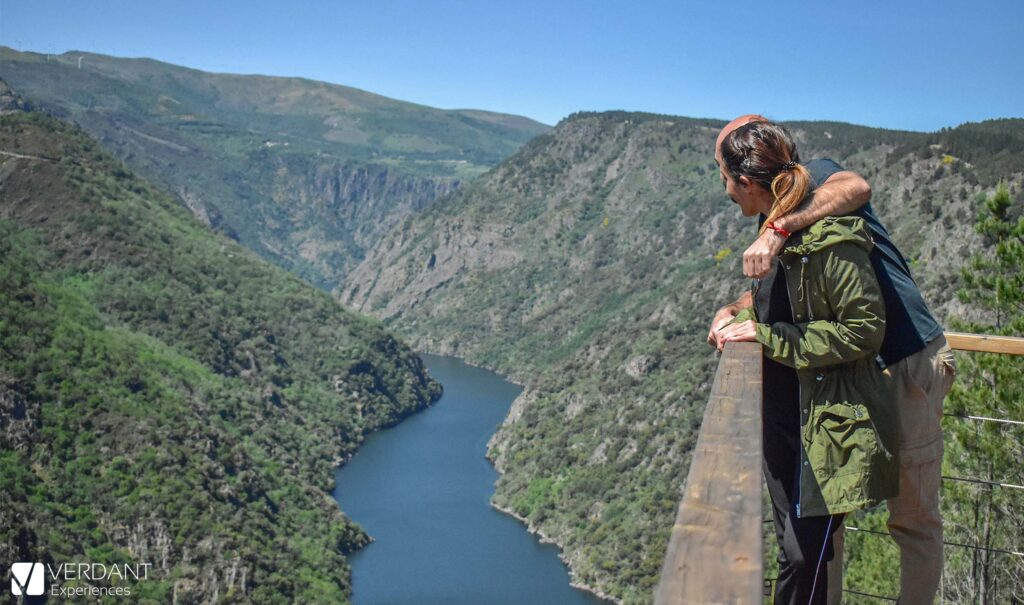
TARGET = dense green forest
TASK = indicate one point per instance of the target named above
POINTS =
(165, 396)
(589, 264)
(992, 386)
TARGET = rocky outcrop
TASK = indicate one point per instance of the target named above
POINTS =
(418, 265)
(9, 101)
(19, 418)
(336, 213)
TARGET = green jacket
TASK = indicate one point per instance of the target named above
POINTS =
(849, 423)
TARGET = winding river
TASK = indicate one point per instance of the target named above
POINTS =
(422, 490)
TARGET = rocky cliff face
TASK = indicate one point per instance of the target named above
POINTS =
(9, 101)
(588, 265)
(336, 211)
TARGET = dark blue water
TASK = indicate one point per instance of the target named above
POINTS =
(422, 489)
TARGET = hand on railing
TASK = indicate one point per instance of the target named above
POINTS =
(743, 331)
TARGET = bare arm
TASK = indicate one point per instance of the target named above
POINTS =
(725, 315)
(842, 193)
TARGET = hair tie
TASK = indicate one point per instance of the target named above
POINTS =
(789, 166)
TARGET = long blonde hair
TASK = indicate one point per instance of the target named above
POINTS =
(765, 153)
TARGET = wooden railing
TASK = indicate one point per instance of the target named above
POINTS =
(984, 343)
(714, 552)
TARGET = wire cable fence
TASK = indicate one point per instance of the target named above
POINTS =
(985, 419)
(1016, 553)
(769, 588)
(983, 482)
(1011, 486)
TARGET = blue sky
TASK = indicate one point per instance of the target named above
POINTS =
(905, 64)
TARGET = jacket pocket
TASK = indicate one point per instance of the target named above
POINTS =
(843, 439)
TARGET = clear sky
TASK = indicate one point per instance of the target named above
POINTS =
(906, 64)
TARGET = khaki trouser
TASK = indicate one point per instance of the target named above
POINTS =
(919, 383)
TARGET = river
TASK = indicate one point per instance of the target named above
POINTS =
(422, 490)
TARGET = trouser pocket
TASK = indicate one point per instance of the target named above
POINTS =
(920, 384)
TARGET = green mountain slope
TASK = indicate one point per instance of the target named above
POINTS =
(307, 174)
(588, 266)
(165, 396)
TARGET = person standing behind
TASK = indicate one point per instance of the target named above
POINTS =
(919, 366)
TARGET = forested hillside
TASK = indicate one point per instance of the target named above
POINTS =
(307, 174)
(588, 266)
(165, 396)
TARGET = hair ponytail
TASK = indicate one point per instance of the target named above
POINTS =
(789, 188)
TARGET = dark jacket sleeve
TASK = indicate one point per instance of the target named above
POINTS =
(858, 309)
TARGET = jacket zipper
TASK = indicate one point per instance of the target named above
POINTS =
(810, 317)
(799, 405)
(807, 294)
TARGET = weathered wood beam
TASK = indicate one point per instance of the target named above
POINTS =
(714, 553)
(1010, 345)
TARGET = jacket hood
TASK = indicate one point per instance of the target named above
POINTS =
(830, 231)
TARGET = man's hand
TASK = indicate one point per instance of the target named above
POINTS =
(724, 316)
(758, 259)
(842, 193)
(744, 331)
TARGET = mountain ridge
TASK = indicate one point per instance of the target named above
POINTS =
(249, 154)
(108, 62)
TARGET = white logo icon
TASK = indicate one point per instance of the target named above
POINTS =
(27, 579)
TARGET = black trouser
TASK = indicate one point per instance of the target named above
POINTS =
(805, 544)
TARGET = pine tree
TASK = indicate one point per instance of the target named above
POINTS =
(988, 516)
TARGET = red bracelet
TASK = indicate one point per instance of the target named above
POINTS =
(779, 230)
